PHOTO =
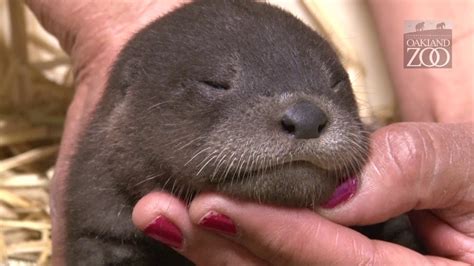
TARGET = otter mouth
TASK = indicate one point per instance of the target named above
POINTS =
(292, 184)
(291, 170)
(292, 167)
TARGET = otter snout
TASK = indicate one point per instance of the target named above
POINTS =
(304, 120)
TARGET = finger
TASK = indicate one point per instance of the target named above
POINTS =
(441, 238)
(72, 20)
(165, 218)
(295, 237)
(412, 166)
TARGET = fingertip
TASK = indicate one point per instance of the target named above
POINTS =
(273, 233)
(387, 182)
(206, 203)
(157, 204)
(361, 207)
(411, 166)
(166, 219)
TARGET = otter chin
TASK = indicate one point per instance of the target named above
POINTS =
(237, 97)
(271, 185)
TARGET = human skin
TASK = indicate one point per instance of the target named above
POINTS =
(92, 33)
(429, 165)
(434, 95)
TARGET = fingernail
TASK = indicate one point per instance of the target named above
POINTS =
(342, 193)
(165, 231)
(219, 222)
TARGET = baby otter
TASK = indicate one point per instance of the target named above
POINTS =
(237, 97)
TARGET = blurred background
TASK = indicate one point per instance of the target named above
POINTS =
(35, 89)
(36, 86)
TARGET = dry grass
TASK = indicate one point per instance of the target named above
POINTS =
(35, 89)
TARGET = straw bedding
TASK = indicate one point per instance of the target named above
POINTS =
(35, 90)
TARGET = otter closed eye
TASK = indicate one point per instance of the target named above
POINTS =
(216, 85)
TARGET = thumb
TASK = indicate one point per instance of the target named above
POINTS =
(412, 166)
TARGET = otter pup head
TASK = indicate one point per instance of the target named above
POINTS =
(242, 98)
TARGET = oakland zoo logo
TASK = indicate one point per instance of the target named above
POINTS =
(427, 44)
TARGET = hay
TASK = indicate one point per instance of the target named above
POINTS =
(35, 90)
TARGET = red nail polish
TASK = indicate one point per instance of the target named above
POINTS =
(342, 193)
(165, 231)
(219, 222)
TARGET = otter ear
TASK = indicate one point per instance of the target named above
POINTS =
(130, 72)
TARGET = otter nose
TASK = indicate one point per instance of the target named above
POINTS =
(304, 120)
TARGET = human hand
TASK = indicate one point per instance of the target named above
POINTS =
(92, 33)
(425, 167)
(429, 94)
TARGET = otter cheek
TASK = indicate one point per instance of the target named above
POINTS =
(343, 192)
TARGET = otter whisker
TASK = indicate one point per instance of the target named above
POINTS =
(230, 164)
(208, 156)
(177, 141)
(158, 105)
(197, 154)
(221, 161)
(147, 179)
(239, 167)
(202, 168)
(189, 143)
